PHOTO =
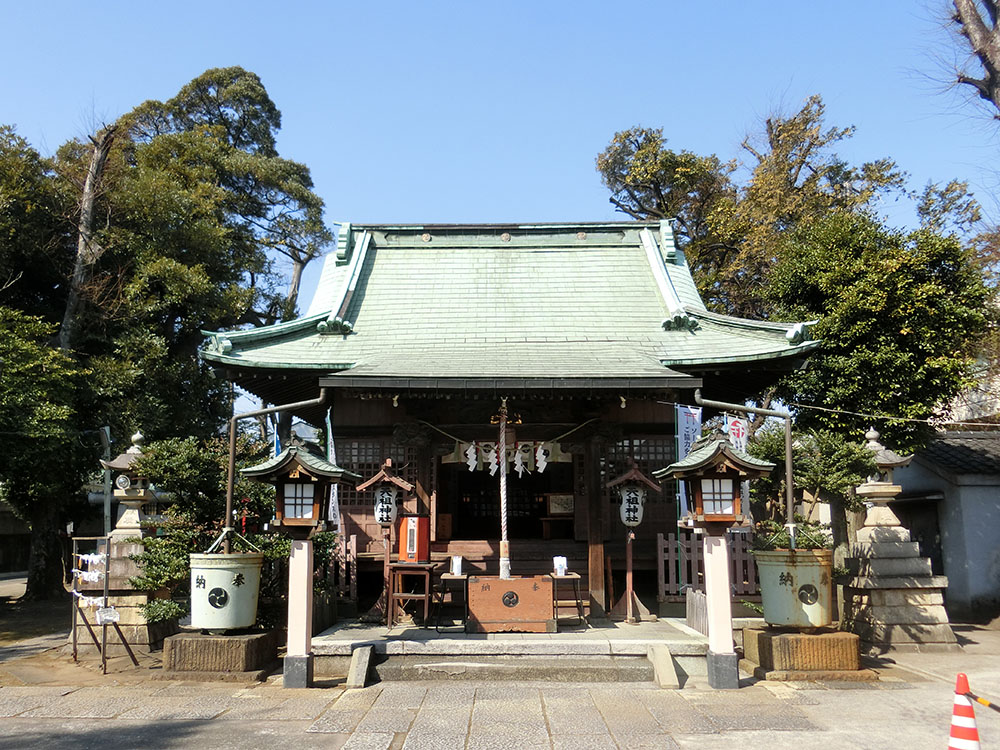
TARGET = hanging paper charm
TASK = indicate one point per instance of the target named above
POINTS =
(541, 458)
(472, 456)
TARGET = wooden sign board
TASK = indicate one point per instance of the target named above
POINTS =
(518, 605)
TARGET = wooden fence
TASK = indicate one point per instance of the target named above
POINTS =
(680, 565)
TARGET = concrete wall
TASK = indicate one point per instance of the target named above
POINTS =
(969, 518)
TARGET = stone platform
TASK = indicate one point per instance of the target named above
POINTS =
(606, 651)
(776, 654)
(239, 658)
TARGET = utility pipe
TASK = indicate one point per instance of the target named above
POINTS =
(789, 493)
(231, 481)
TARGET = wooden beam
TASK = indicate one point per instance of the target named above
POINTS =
(595, 530)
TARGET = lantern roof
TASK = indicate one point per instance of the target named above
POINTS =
(711, 451)
(386, 475)
(885, 458)
(306, 456)
(633, 475)
(123, 461)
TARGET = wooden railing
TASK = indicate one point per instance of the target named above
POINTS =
(680, 565)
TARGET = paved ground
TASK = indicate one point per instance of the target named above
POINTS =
(442, 715)
(48, 702)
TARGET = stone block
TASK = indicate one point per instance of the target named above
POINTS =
(901, 615)
(883, 534)
(889, 635)
(664, 668)
(898, 598)
(361, 659)
(298, 672)
(196, 652)
(884, 549)
(896, 582)
(889, 566)
(723, 671)
(801, 652)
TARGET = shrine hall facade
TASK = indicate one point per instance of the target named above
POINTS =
(592, 332)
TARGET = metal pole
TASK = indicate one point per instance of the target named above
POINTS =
(504, 543)
(789, 488)
(76, 589)
(231, 479)
(104, 622)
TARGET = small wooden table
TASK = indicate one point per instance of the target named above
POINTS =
(577, 599)
(446, 580)
(397, 572)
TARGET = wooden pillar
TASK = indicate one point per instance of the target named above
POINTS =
(595, 529)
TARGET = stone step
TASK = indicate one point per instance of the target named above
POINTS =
(903, 615)
(889, 566)
(897, 582)
(885, 549)
(519, 668)
(882, 633)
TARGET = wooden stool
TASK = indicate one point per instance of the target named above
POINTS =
(397, 571)
(577, 599)
(443, 588)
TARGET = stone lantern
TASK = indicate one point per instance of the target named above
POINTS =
(892, 599)
(131, 491)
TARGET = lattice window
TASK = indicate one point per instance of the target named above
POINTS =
(717, 496)
(298, 500)
(649, 454)
(365, 456)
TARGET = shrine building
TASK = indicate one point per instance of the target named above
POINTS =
(591, 332)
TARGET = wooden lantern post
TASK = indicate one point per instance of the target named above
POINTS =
(714, 471)
(632, 487)
(302, 478)
(387, 488)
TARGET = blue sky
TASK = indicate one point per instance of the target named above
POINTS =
(455, 112)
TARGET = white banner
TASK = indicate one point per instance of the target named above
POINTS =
(737, 429)
(688, 419)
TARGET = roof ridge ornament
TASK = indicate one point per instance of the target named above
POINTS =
(677, 316)
(336, 321)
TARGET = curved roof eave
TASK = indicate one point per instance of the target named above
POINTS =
(796, 351)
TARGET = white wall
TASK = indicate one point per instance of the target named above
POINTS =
(969, 518)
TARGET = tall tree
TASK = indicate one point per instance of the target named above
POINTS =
(977, 23)
(166, 223)
(900, 317)
(729, 231)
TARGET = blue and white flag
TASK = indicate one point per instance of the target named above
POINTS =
(331, 456)
(688, 422)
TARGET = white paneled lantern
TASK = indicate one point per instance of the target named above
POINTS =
(633, 488)
(387, 486)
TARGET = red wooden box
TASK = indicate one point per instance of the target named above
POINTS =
(414, 539)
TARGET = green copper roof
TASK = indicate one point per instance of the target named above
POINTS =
(607, 301)
(312, 461)
(713, 450)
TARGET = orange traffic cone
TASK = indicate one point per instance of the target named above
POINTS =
(964, 734)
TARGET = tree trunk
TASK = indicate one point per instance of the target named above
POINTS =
(45, 561)
(87, 250)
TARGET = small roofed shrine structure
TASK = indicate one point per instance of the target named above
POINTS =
(714, 471)
(592, 332)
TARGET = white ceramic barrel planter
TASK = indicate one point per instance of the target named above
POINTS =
(224, 590)
(796, 586)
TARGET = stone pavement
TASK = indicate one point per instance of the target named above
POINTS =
(441, 715)
(910, 708)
